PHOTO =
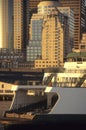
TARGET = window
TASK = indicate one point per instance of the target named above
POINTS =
(82, 46)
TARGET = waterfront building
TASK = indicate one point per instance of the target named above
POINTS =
(10, 58)
(50, 27)
(79, 18)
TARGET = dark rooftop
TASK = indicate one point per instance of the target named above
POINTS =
(76, 54)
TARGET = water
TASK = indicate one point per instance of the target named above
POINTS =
(5, 105)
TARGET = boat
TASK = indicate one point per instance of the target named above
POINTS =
(61, 96)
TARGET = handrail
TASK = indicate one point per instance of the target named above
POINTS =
(80, 82)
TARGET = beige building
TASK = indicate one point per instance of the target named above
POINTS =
(18, 24)
(52, 44)
(3, 23)
(55, 35)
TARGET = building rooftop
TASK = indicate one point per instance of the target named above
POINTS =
(49, 3)
(76, 54)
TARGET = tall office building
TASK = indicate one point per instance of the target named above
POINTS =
(6, 23)
(3, 23)
(49, 36)
(21, 24)
(79, 18)
(33, 5)
(18, 24)
(14, 31)
(67, 11)
(21, 18)
(10, 24)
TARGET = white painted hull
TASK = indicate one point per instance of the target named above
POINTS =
(70, 106)
(70, 101)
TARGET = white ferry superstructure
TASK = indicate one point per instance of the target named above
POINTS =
(65, 98)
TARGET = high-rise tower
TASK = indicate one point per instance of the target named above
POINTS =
(10, 24)
(49, 36)
(79, 18)
(21, 23)
(33, 5)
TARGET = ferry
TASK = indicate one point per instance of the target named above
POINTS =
(61, 97)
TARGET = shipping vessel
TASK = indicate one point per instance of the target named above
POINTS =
(61, 97)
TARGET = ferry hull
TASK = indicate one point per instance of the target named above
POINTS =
(60, 118)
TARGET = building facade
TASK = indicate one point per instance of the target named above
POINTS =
(14, 31)
(33, 5)
(67, 11)
(21, 18)
(79, 18)
(6, 23)
(34, 47)
(82, 46)
(10, 24)
(11, 58)
(18, 24)
(14, 23)
(51, 28)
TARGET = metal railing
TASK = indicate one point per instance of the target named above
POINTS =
(80, 82)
